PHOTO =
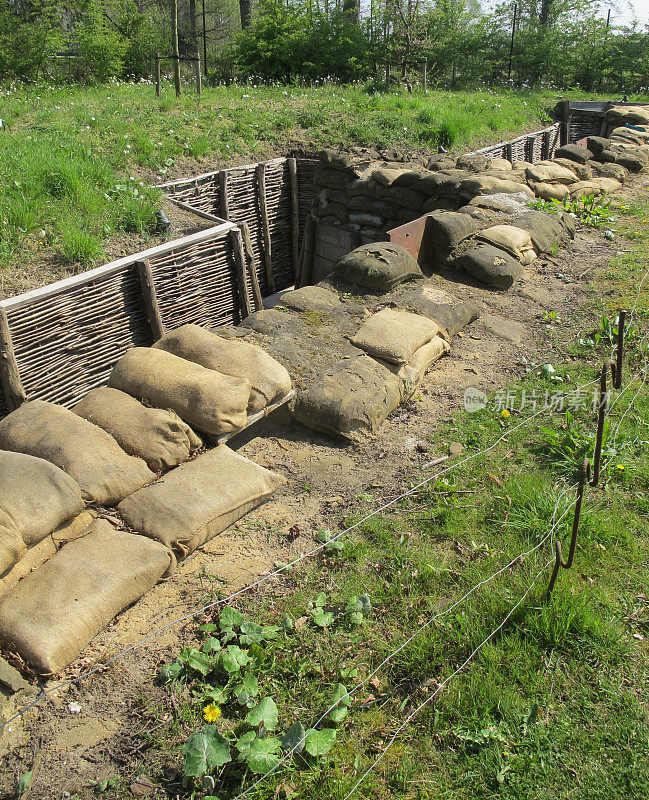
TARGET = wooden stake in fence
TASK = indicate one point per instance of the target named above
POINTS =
(295, 215)
(157, 74)
(223, 192)
(265, 225)
(424, 77)
(197, 66)
(12, 386)
(145, 274)
(240, 264)
(251, 266)
(306, 255)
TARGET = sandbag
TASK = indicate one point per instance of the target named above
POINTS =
(55, 611)
(633, 161)
(450, 313)
(472, 187)
(636, 115)
(310, 298)
(608, 185)
(156, 435)
(596, 144)
(351, 399)
(549, 191)
(104, 472)
(584, 189)
(489, 265)
(546, 230)
(269, 380)
(393, 334)
(446, 230)
(206, 399)
(379, 267)
(475, 162)
(574, 152)
(200, 499)
(516, 241)
(499, 163)
(582, 171)
(35, 498)
(549, 172)
(615, 171)
(411, 373)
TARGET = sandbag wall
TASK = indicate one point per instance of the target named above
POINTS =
(60, 341)
(272, 197)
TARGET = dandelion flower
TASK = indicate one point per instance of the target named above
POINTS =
(620, 466)
(505, 413)
(211, 713)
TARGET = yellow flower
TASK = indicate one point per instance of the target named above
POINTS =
(211, 713)
(505, 413)
(620, 466)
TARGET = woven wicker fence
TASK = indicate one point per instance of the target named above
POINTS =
(273, 198)
(60, 341)
(532, 147)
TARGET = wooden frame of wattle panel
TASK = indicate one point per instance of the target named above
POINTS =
(61, 340)
(273, 198)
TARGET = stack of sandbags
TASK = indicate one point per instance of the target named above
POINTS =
(269, 380)
(56, 610)
(90, 455)
(36, 498)
(208, 400)
(200, 499)
(408, 344)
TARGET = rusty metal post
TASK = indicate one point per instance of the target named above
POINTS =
(584, 477)
(603, 408)
(619, 356)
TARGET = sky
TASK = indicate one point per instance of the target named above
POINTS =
(638, 7)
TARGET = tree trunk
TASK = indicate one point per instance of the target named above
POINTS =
(174, 43)
(245, 12)
(352, 10)
(193, 27)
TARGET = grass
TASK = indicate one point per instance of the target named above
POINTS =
(554, 706)
(77, 161)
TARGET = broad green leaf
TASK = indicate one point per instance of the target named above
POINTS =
(320, 600)
(340, 697)
(293, 739)
(251, 633)
(208, 627)
(262, 755)
(194, 659)
(204, 751)
(348, 672)
(219, 695)
(319, 743)
(230, 618)
(270, 632)
(323, 536)
(264, 713)
(246, 690)
(334, 545)
(323, 619)
(169, 672)
(356, 618)
(245, 742)
(211, 645)
(366, 604)
(233, 658)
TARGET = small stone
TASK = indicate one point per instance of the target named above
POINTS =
(455, 449)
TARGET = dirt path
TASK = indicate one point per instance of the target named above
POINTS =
(93, 730)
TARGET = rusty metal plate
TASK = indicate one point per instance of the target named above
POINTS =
(413, 236)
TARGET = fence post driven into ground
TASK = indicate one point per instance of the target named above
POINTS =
(265, 225)
(157, 74)
(424, 76)
(197, 67)
(295, 216)
(240, 262)
(584, 478)
(145, 274)
(251, 265)
(12, 385)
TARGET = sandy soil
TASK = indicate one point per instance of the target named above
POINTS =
(70, 751)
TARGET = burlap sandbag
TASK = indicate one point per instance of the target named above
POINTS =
(616, 171)
(55, 611)
(446, 230)
(411, 373)
(489, 265)
(196, 501)
(636, 115)
(268, 379)
(499, 163)
(549, 191)
(516, 241)
(379, 267)
(394, 334)
(206, 399)
(608, 185)
(450, 313)
(546, 230)
(104, 472)
(549, 172)
(159, 436)
(574, 152)
(349, 400)
(584, 189)
(472, 187)
(35, 498)
(582, 171)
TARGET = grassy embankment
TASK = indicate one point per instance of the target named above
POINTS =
(72, 158)
(554, 706)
